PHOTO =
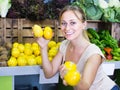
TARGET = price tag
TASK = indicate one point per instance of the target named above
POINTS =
(108, 68)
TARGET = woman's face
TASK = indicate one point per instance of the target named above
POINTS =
(71, 26)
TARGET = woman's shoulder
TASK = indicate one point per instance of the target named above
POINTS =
(63, 45)
(94, 49)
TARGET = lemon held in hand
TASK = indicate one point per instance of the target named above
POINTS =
(37, 30)
(72, 78)
(70, 65)
(48, 33)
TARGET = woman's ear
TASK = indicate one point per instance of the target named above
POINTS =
(84, 25)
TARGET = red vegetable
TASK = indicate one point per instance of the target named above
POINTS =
(109, 57)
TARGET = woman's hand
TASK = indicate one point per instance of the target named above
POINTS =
(63, 71)
(42, 42)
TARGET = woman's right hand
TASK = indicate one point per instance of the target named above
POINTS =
(42, 42)
(63, 71)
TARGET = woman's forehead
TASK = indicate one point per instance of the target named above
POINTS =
(71, 15)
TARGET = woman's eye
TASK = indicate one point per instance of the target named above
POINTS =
(72, 23)
(63, 24)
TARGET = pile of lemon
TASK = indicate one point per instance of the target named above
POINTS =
(29, 53)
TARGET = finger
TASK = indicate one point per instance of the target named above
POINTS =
(63, 71)
(65, 83)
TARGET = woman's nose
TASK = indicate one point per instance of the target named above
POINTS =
(67, 27)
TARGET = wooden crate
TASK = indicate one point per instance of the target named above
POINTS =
(20, 30)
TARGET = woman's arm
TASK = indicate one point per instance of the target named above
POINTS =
(89, 72)
(49, 68)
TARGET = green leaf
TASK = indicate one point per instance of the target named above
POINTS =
(93, 12)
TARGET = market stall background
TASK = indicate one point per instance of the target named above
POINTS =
(18, 17)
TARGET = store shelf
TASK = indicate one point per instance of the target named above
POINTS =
(19, 70)
(31, 70)
(117, 64)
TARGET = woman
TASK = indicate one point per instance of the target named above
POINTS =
(77, 48)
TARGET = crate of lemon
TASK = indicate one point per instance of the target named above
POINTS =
(29, 53)
(72, 77)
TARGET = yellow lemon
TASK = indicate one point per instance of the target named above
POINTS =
(39, 60)
(54, 48)
(52, 52)
(12, 61)
(51, 43)
(37, 30)
(35, 47)
(22, 61)
(32, 61)
(21, 47)
(28, 51)
(72, 77)
(48, 33)
(27, 45)
(35, 44)
(15, 52)
(36, 52)
(15, 44)
(70, 65)
(58, 44)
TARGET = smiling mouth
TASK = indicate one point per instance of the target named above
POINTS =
(69, 33)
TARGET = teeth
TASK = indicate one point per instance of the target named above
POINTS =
(69, 33)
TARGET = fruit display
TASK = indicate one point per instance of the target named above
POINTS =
(106, 43)
(72, 76)
(47, 32)
(28, 54)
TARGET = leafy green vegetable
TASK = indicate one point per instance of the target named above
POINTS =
(53, 7)
(93, 33)
(111, 10)
(91, 8)
(107, 39)
(93, 12)
(111, 14)
(4, 7)
(32, 9)
(102, 39)
(114, 3)
(103, 4)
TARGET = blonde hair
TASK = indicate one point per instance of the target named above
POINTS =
(74, 9)
(85, 35)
